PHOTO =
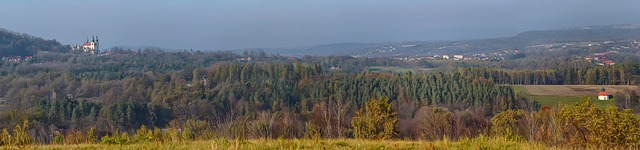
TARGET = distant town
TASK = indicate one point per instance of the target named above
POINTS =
(598, 53)
(597, 58)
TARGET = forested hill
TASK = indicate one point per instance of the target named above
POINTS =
(520, 41)
(593, 33)
(19, 44)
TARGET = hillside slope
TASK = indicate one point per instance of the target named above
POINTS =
(429, 48)
(18, 44)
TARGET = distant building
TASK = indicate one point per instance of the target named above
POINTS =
(15, 59)
(608, 62)
(245, 59)
(603, 95)
(458, 57)
(446, 57)
(90, 46)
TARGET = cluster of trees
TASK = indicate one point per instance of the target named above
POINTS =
(535, 62)
(582, 125)
(625, 74)
(119, 93)
(236, 89)
(75, 98)
(19, 136)
(628, 99)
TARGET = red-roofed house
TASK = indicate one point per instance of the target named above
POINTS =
(603, 95)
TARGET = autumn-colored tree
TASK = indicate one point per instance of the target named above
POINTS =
(92, 136)
(586, 125)
(377, 120)
(507, 124)
(5, 138)
(21, 134)
(433, 123)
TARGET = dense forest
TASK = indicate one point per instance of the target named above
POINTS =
(77, 98)
(624, 74)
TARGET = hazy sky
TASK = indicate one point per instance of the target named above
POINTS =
(233, 24)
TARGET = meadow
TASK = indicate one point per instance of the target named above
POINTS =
(557, 95)
(482, 142)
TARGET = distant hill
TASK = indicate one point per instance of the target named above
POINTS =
(19, 44)
(595, 33)
(430, 48)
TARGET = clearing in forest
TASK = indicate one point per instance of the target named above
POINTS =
(555, 95)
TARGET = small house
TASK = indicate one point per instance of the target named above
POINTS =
(603, 95)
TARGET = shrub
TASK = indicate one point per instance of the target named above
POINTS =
(378, 122)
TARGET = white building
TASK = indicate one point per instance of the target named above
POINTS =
(603, 95)
(92, 46)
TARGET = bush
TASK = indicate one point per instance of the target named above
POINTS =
(586, 125)
(21, 134)
(117, 139)
(378, 122)
(507, 124)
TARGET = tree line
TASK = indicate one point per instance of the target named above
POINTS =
(624, 74)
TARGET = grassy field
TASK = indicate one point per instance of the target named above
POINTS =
(555, 95)
(396, 69)
(481, 142)
(574, 90)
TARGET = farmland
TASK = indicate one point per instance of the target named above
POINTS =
(555, 95)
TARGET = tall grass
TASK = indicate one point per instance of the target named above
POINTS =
(482, 142)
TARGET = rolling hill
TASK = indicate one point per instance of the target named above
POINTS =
(19, 44)
(429, 48)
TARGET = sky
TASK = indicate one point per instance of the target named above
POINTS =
(238, 24)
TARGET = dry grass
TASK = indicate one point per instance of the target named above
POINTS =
(558, 95)
(574, 90)
(476, 143)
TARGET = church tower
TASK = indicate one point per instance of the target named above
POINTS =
(91, 46)
(96, 46)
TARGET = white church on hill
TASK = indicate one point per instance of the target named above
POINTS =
(90, 46)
